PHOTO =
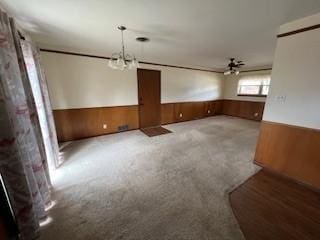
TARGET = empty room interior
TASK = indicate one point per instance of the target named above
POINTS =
(160, 120)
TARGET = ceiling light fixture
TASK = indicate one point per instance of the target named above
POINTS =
(122, 60)
(233, 67)
(142, 39)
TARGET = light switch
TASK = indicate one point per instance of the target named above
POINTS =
(105, 126)
(180, 115)
(280, 98)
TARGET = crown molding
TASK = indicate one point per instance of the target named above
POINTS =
(305, 29)
(143, 62)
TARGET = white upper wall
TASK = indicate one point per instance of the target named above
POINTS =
(183, 85)
(231, 86)
(84, 82)
(294, 96)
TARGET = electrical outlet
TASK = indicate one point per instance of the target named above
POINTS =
(180, 115)
(209, 111)
(256, 114)
(104, 126)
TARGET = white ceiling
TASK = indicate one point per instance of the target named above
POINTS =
(194, 33)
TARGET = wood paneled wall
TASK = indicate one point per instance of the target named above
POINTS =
(186, 111)
(290, 150)
(73, 124)
(244, 109)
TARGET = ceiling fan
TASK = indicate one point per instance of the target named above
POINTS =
(233, 67)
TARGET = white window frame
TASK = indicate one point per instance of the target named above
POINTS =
(261, 78)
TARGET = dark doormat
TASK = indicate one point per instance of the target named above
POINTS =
(155, 131)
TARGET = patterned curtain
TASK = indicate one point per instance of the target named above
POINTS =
(40, 91)
(23, 164)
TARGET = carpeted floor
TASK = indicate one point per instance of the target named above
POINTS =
(173, 186)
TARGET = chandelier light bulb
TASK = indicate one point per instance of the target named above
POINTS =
(122, 60)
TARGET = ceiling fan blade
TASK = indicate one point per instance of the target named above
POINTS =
(234, 65)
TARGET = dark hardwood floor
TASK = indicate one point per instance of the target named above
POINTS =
(272, 207)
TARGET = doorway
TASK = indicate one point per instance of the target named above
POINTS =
(149, 94)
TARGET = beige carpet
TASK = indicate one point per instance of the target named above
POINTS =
(174, 186)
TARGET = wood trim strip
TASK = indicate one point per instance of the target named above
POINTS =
(73, 53)
(148, 63)
(192, 102)
(70, 109)
(251, 95)
(181, 67)
(241, 100)
(295, 126)
(299, 31)
(256, 70)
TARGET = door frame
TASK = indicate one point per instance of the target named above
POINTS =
(138, 85)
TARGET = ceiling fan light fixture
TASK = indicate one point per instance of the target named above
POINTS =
(233, 67)
(227, 73)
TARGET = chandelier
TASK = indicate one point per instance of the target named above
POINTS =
(233, 67)
(122, 60)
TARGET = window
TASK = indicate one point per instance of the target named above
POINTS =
(257, 85)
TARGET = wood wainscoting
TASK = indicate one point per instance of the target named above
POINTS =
(243, 109)
(290, 150)
(186, 111)
(73, 124)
